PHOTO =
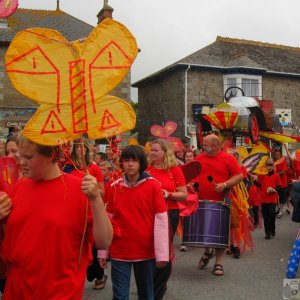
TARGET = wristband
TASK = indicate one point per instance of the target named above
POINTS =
(170, 196)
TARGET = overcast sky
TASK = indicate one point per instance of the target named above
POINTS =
(169, 30)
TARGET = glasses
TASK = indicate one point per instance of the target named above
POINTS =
(270, 165)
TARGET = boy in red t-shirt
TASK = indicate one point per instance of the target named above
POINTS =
(45, 229)
(139, 213)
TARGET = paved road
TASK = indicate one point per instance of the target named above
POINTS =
(255, 276)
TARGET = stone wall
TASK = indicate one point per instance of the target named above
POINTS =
(15, 109)
(205, 87)
(285, 93)
(161, 100)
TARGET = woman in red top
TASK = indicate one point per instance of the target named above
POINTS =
(163, 167)
(78, 169)
(270, 185)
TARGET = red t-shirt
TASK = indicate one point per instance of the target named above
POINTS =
(290, 173)
(221, 167)
(297, 168)
(244, 171)
(93, 170)
(42, 240)
(282, 167)
(170, 180)
(266, 181)
(254, 198)
(133, 211)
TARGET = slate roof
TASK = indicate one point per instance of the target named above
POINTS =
(228, 54)
(66, 24)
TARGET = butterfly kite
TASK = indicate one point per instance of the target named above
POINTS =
(164, 132)
(71, 81)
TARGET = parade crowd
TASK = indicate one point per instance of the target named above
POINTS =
(72, 211)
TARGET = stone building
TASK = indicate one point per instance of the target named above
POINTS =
(265, 71)
(16, 109)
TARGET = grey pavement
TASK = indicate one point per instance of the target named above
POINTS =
(255, 276)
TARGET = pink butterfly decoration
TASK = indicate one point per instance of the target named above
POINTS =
(164, 132)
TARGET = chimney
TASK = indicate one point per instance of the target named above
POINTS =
(57, 5)
(105, 12)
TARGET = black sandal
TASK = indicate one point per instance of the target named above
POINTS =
(206, 257)
(218, 270)
(100, 283)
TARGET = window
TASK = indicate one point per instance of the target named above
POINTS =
(250, 84)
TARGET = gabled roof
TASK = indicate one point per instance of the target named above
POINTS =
(228, 54)
(66, 24)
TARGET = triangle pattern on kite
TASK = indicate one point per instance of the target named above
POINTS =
(34, 61)
(53, 124)
(111, 56)
(108, 121)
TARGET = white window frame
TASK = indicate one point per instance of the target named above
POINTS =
(239, 77)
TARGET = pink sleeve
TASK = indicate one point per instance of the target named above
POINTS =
(161, 237)
(102, 254)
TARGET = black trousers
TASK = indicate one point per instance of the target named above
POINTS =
(255, 213)
(94, 271)
(2, 285)
(268, 212)
(162, 275)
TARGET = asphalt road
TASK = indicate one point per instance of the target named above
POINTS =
(255, 276)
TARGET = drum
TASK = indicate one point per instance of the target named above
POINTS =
(208, 226)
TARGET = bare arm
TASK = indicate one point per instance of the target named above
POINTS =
(101, 188)
(288, 152)
(179, 195)
(236, 179)
(102, 228)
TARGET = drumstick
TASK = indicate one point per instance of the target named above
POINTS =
(211, 179)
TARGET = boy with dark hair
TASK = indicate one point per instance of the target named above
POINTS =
(138, 209)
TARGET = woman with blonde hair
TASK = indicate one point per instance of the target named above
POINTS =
(163, 167)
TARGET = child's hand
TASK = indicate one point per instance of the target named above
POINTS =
(5, 205)
(270, 190)
(165, 194)
(89, 187)
(161, 264)
(102, 263)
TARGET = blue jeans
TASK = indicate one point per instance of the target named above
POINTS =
(143, 273)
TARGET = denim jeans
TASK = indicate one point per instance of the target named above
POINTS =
(143, 272)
